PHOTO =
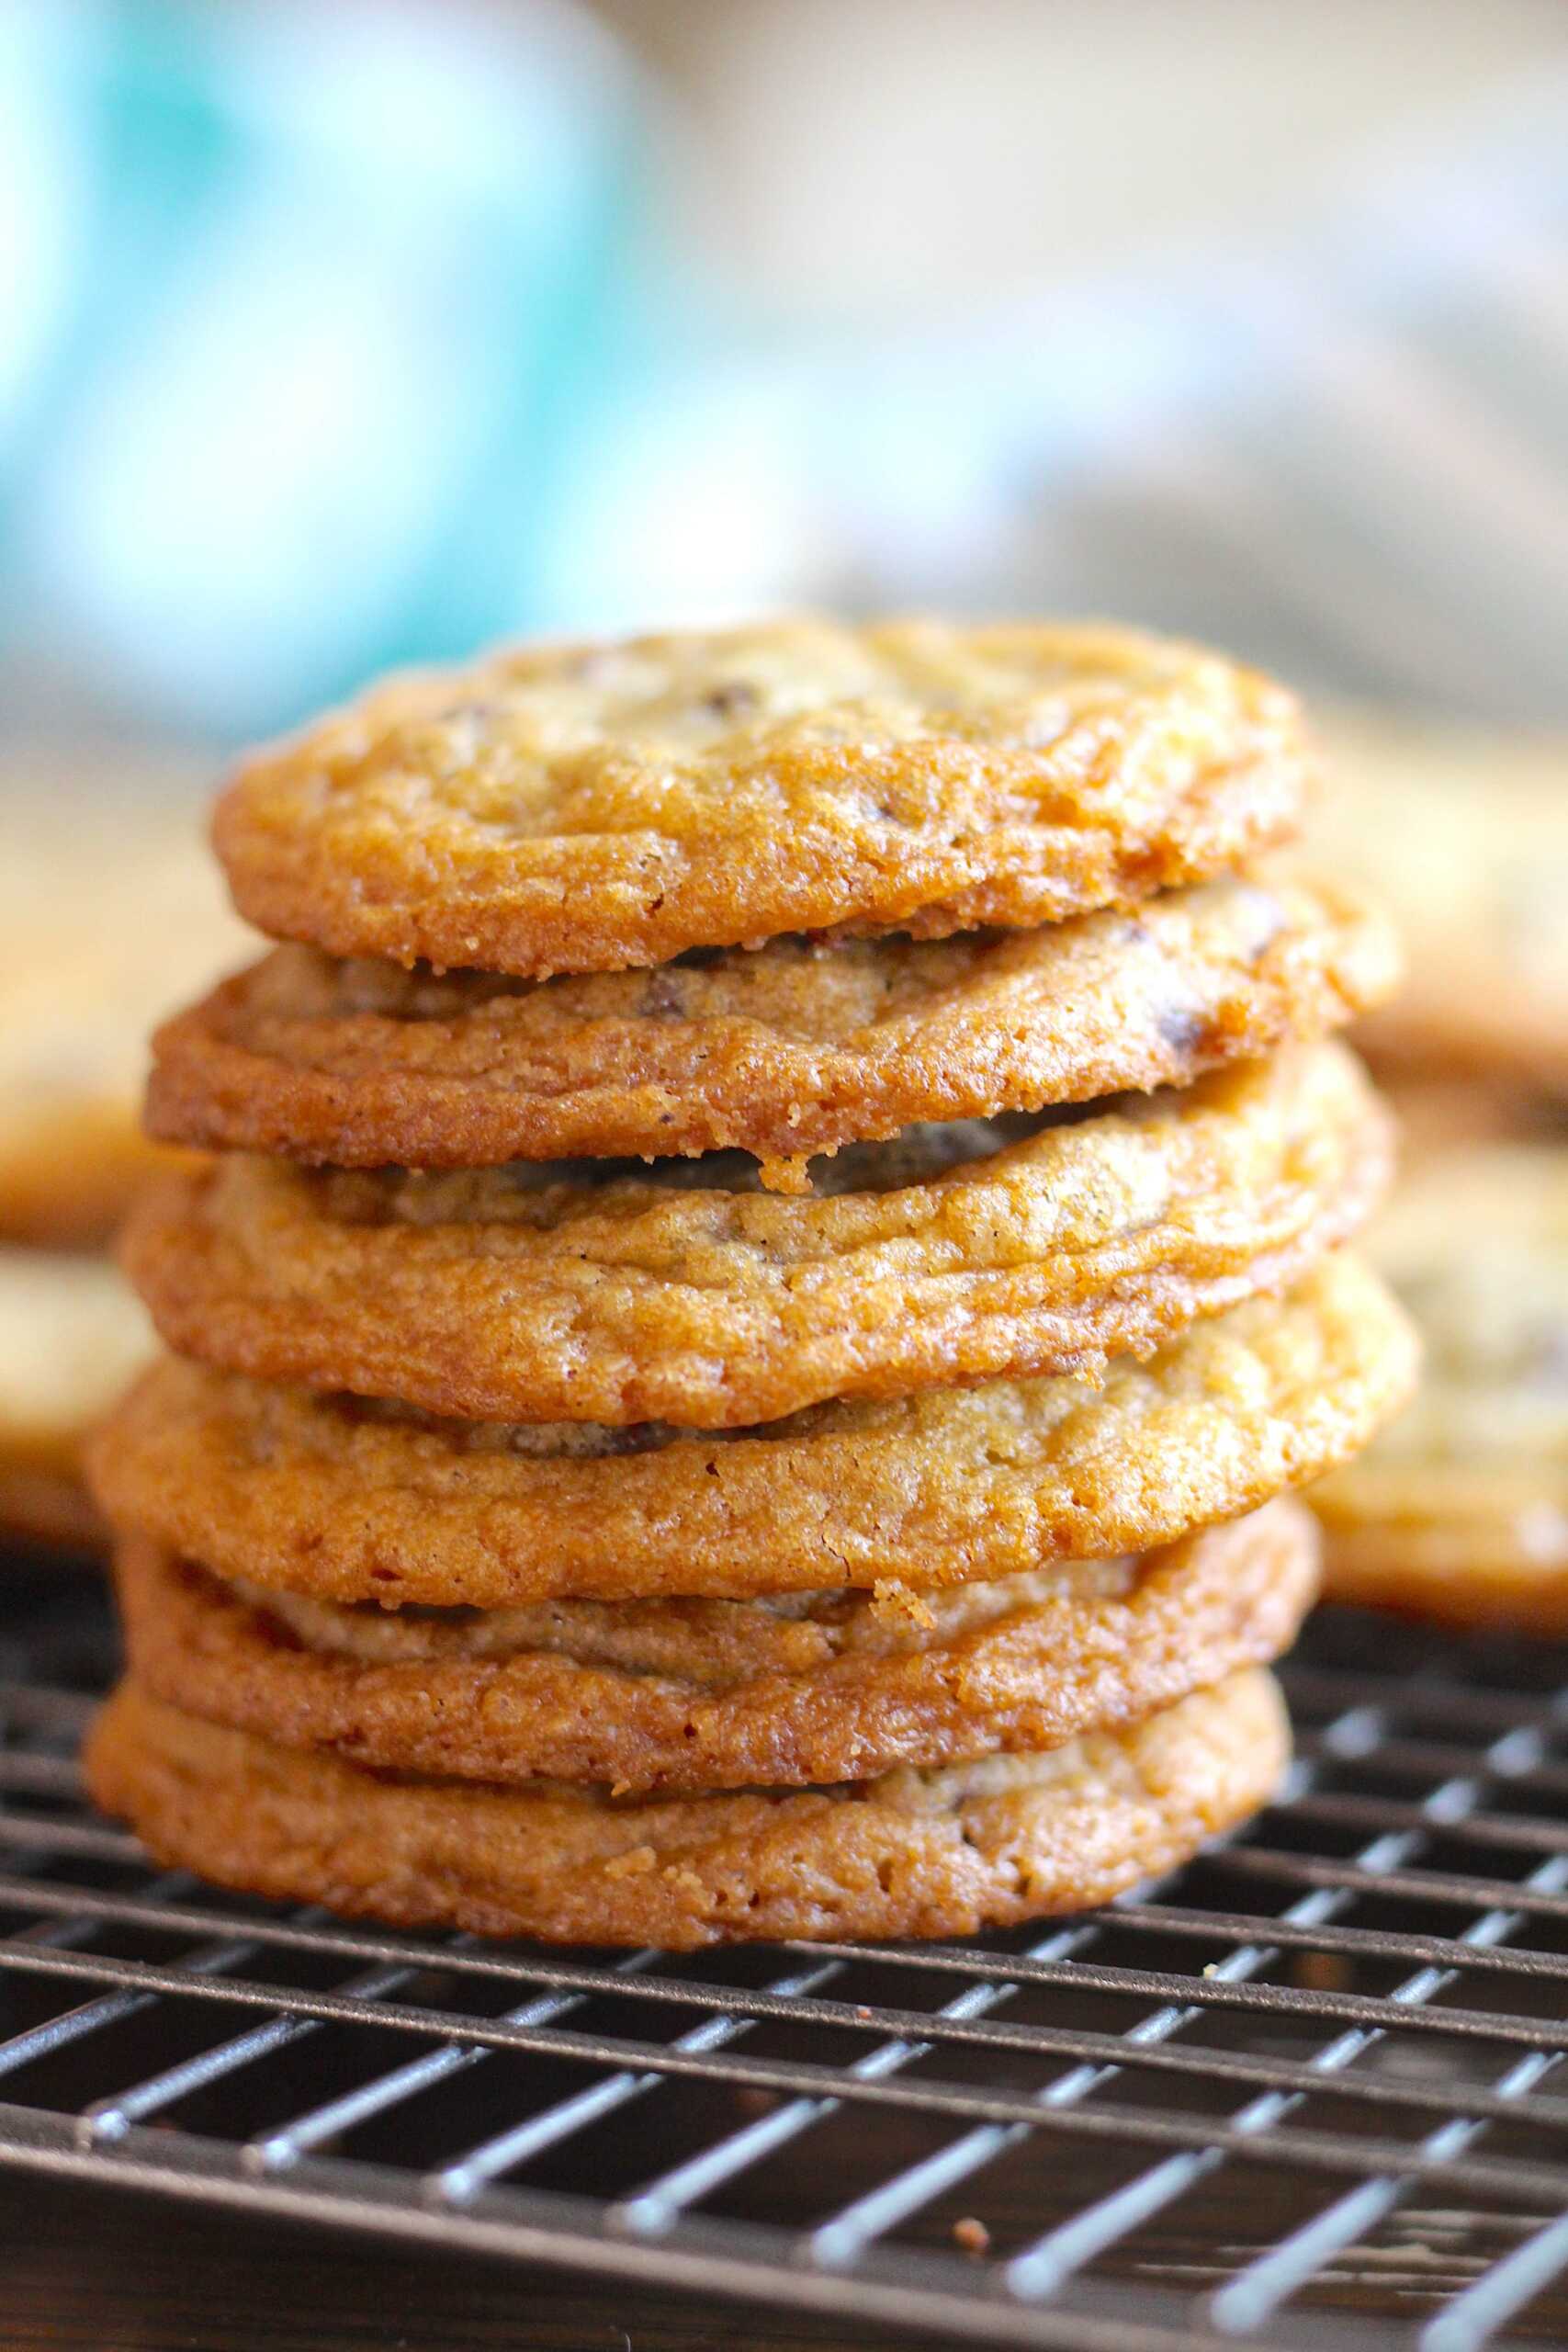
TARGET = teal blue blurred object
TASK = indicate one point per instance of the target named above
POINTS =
(314, 315)
(333, 335)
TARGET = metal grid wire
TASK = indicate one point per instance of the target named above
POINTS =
(1315, 2070)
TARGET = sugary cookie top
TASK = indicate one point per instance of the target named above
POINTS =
(590, 807)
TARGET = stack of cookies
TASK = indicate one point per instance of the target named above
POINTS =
(773, 1252)
(109, 915)
(1459, 1511)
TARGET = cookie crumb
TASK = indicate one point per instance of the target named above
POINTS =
(892, 1601)
(785, 1172)
(1321, 1972)
(635, 1862)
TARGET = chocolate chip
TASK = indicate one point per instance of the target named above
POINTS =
(1182, 1029)
(637, 1437)
(595, 665)
(1549, 1357)
(662, 996)
(733, 699)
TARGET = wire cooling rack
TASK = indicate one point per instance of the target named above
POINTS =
(1303, 2093)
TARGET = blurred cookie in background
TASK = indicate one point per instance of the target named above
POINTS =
(1459, 1511)
(1464, 833)
(1443, 1115)
(109, 915)
(72, 1334)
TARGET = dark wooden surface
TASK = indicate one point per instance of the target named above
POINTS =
(96, 2270)
(92, 2271)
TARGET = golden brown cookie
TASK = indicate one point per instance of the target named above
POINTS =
(576, 1293)
(795, 1048)
(583, 808)
(330, 1496)
(694, 1695)
(1460, 1510)
(941, 1853)
(107, 919)
(1464, 834)
(71, 1335)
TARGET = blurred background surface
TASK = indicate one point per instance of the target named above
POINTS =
(340, 333)
(340, 336)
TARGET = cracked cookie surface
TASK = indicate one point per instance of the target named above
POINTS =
(574, 1292)
(792, 1049)
(585, 808)
(331, 1497)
